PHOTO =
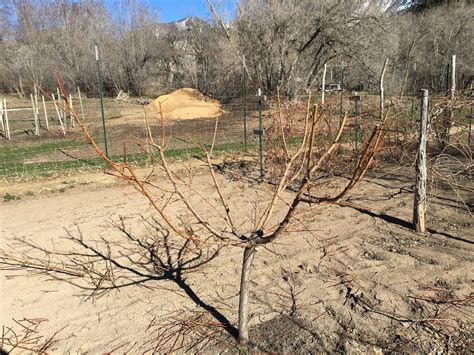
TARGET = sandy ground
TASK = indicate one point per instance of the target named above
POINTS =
(357, 282)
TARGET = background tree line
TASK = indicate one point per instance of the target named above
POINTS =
(285, 43)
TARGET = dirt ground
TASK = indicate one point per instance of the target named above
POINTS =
(355, 281)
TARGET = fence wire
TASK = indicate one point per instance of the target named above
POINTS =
(26, 154)
(54, 149)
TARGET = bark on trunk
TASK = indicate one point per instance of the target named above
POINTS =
(420, 184)
(249, 255)
(382, 108)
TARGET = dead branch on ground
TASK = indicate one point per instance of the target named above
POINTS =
(25, 336)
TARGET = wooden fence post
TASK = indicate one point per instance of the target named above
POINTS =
(35, 96)
(452, 92)
(419, 207)
(59, 115)
(323, 85)
(382, 113)
(61, 107)
(80, 103)
(58, 101)
(35, 115)
(1, 116)
(45, 114)
(71, 107)
(7, 126)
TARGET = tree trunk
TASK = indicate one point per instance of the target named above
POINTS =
(20, 87)
(249, 255)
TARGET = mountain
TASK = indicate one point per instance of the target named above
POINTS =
(186, 24)
(189, 23)
(418, 5)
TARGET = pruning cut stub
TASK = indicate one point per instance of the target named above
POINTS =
(254, 235)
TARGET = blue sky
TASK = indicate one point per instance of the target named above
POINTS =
(172, 10)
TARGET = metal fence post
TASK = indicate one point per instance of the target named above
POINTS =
(357, 123)
(470, 128)
(414, 93)
(244, 100)
(99, 80)
(342, 91)
(260, 132)
(356, 99)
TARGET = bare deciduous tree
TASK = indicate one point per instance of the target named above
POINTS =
(213, 224)
(285, 43)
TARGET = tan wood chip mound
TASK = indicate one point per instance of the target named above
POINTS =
(186, 104)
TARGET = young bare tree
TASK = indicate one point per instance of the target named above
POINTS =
(295, 191)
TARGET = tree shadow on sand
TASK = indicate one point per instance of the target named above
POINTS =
(97, 267)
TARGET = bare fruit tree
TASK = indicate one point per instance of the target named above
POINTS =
(212, 223)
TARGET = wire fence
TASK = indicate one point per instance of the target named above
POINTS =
(58, 144)
(47, 142)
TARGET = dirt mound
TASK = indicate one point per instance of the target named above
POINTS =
(186, 104)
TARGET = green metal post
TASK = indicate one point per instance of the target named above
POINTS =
(470, 128)
(448, 70)
(342, 91)
(244, 100)
(414, 93)
(99, 80)
(356, 99)
(357, 124)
